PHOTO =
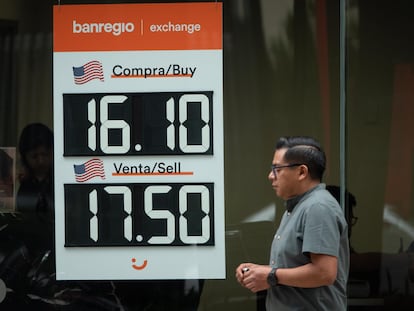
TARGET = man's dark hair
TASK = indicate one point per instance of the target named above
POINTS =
(304, 150)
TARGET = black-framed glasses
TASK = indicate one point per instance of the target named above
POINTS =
(277, 168)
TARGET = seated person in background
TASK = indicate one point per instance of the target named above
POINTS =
(35, 193)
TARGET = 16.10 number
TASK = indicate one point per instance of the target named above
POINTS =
(107, 124)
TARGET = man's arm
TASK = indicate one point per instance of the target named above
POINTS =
(321, 271)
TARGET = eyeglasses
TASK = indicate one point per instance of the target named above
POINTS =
(277, 168)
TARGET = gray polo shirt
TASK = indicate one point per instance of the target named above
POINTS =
(313, 223)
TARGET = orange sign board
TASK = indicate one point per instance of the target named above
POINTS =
(137, 27)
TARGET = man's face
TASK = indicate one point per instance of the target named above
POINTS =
(286, 180)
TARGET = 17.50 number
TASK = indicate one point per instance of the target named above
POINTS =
(139, 214)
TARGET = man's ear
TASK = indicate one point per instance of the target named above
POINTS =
(303, 172)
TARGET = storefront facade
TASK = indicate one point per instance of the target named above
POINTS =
(340, 71)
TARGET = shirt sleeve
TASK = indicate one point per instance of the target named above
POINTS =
(322, 230)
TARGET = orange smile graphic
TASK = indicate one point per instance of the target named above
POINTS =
(141, 267)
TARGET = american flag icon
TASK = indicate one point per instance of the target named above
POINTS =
(88, 170)
(87, 72)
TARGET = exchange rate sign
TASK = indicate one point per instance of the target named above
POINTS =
(138, 124)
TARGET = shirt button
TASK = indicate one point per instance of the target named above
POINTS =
(288, 213)
(278, 237)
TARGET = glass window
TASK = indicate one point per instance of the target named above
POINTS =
(380, 153)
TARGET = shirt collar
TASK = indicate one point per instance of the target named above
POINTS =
(291, 203)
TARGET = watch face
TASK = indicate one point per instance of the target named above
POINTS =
(271, 278)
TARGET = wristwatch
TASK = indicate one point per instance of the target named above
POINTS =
(272, 278)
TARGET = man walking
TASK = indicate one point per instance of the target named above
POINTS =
(309, 258)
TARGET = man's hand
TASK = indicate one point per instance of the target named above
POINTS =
(253, 276)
